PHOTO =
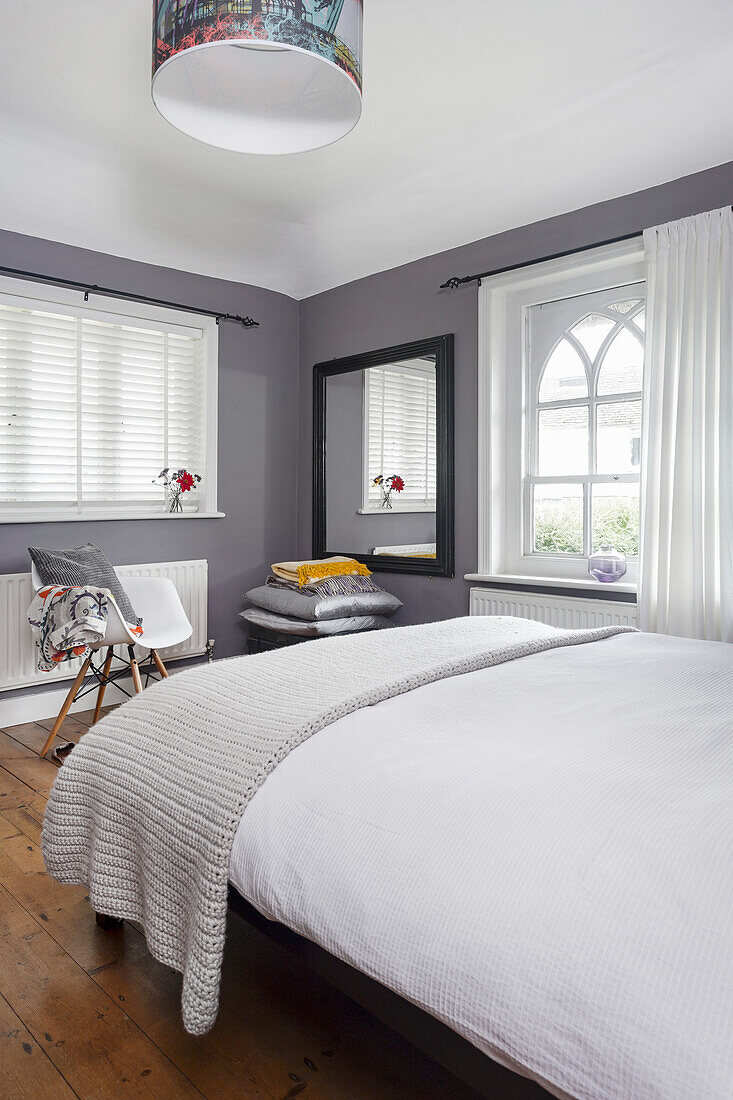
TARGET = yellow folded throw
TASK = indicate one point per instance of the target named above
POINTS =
(305, 572)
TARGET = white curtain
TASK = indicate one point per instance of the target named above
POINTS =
(686, 558)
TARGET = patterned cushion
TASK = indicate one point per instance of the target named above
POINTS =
(85, 565)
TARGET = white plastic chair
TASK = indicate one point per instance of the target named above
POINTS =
(165, 624)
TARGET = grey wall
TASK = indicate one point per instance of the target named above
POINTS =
(258, 429)
(405, 304)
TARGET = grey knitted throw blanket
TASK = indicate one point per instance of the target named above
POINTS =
(145, 809)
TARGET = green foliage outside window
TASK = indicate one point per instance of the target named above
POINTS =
(616, 523)
(559, 526)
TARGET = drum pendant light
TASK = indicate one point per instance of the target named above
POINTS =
(259, 76)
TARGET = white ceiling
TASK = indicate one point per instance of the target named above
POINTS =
(478, 116)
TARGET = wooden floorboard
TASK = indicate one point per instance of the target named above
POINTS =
(73, 727)
(13, 791)
(33, 736)
(91, 1040)
(26, 1072)
(90, 1014)
(35, 773)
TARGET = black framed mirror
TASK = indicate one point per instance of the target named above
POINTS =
(383, 468)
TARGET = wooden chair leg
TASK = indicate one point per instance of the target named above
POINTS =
(103, 684)
(159, 664)
(135, 671)
(67, 704)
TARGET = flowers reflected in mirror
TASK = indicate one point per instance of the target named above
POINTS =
(388, 485)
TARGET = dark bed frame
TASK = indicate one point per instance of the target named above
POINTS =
(434, 1038)
(431, 1036)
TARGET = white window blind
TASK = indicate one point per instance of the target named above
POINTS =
(91, 410)
(400, 432)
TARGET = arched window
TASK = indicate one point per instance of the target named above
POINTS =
(584, 424)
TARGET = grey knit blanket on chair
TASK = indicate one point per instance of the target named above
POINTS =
(144, 811)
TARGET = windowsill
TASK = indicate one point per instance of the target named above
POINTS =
(395, 511)
(75, 517)
(587, 587)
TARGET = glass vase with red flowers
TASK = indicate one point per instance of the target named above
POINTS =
(388, 485)
(176, 482)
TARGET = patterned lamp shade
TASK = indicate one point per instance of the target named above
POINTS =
(259, 76)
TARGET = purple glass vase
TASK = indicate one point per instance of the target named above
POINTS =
(607, 565)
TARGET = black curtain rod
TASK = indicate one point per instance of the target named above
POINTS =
(455, 282)
(107, 292)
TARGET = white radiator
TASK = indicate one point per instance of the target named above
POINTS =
(18, 654)
(563, 611)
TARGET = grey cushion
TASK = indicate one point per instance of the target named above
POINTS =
(305, 605)
(83, 565)
(314, 629)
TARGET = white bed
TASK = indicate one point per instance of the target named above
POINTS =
(538, 854)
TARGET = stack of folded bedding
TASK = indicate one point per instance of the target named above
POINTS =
(315, 598)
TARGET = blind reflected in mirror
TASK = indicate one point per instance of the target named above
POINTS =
(382, 451)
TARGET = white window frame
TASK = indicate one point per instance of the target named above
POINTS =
(504, 303)
(367, 507)
(27, 295)
(592, 401)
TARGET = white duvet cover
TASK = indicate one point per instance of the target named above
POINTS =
(539, 854)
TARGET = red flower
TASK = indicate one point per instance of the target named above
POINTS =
(185, 480)
(397, 483)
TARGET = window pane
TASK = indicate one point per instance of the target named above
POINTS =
(563, 441)
(95, 410)
(625, 307)
(616, 518)
(38, 429)
(122, 413)
(564, 376)
(591, 332)
(619, 438)
(622, 365)
(558, 519)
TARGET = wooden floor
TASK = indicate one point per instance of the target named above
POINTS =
(90, 1014)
